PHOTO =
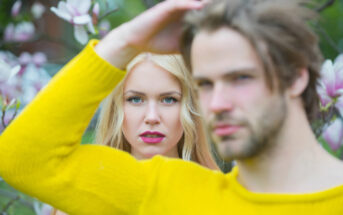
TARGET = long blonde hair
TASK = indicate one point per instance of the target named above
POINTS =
(192, 146)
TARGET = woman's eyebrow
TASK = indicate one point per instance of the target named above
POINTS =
(134, 92)
(171, 93)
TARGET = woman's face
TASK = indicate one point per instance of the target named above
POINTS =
(152, 105)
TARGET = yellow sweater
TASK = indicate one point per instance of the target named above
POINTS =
(41, 155)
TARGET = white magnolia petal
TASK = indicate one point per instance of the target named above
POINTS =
(96, 9)
(37, 10)
(9, 32)
(323, 96)
(82, 20)
(16, 8)
(333, 134)
(62, 6)
(4, 71)
(14, 71)
(91, 28)
(339, 59)
(64, 15)
(80, 34)
(339, 105)
(328, 77)
(82, 6)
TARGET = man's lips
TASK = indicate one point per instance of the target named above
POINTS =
(225, 129)
(152, 136)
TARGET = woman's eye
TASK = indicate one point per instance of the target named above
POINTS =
(169, 100)
(135, 100)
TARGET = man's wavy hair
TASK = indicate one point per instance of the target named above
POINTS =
(279, 32)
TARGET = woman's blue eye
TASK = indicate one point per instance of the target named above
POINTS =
(169, 100)
(135, 100)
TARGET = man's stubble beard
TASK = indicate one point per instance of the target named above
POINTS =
(262, 136)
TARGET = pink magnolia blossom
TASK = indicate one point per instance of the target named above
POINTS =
(76, 13)
(16, 8)
(331, 83)
(104, 28)
(37, 10)
(96, 9)
(19, 33)
(7, 72)
(43, 209)
(333, 134)
(37, 59)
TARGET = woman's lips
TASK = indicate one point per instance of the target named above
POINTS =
(226, 130)
(152, 137)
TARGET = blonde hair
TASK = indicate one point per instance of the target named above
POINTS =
(192, 146)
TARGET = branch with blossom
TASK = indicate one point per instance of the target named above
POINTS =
(330, 90)
(83, 19)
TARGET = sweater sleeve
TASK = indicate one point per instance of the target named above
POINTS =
(41, 153)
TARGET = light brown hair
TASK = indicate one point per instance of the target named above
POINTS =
(279, 32)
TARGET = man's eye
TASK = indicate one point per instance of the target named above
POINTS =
(135, 100)
(242, 77)
(203, 84)
(169, 100)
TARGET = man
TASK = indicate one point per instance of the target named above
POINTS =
(255, 63)
(256, 66)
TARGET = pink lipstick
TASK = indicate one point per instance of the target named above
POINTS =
(152, 137)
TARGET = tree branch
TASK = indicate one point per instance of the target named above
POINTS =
(13, 195)
(327, 4)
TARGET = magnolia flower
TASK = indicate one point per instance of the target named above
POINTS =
(96, 10)
(37, 59)
(20, 33)
(43, 209)
(37, 10)
(333, 134)
(16, 8)
(104, 27)
(7, 72)
(331, 84)
(76, 13)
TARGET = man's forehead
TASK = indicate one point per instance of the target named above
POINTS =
(222, 51)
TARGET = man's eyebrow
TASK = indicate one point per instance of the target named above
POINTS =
(229, 73)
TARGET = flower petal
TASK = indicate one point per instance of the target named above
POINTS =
(9, 32)
(16, 8)
(62, 14)
(82, 20)
(96, 9)
(82, 7)
(328, 77)
(80, 34)
(90, 27)
(323, 96)
(37, 10)
(333, 134)
(339, 105)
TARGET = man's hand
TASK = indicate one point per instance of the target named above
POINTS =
(156, 30)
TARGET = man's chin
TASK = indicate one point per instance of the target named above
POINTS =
(234, 149)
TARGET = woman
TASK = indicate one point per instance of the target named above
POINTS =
(41, 154)
(156, 96)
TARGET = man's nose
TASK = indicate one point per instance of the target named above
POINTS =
(152, 116)
(220, 101)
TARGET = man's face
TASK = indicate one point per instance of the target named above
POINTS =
(243, 114)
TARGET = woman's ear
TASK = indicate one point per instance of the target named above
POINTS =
(299, 84)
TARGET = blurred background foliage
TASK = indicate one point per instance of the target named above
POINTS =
(55, 38)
